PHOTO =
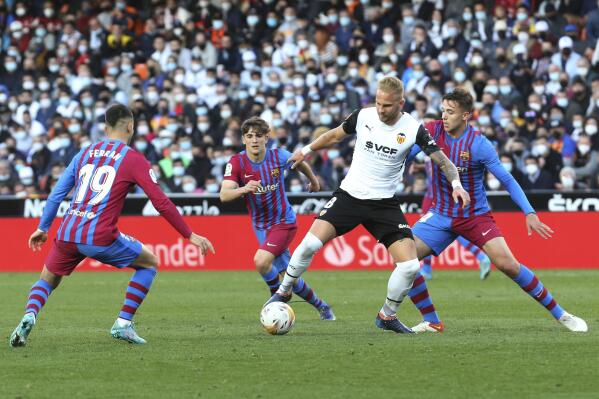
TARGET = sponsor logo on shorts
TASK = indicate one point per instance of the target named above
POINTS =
(403, 226)
(323, 212)
(271, 245)
(486, 232)
(339, 253)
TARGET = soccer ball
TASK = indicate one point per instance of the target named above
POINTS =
(277, 318)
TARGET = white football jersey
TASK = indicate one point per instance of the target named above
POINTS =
(380, 152)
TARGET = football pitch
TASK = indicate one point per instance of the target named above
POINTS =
(205, 340)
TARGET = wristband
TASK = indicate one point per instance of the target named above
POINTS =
(455, 184)
(306, 150)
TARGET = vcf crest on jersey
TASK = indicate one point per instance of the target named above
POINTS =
(275, 173)
(401, 137)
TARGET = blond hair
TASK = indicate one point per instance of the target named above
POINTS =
(391, 84)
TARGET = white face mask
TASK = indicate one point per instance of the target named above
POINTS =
(567, 181)
(590, 129)
(212, 187)
(508, 166)
(584, 148)
(295, 188)
(532, 169)
(493, 184)
(539, 149)
(178, 171)
(539, 89)
(189, 187)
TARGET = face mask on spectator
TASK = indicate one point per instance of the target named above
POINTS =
(503, 122)
(484, 120)
(63, 100)
(45, 102)
(48, 12)
(459, 76)
(326, 119)
(480, 15)
(531, 169)
(203, 126)
(189, 187)
(141, 145)
(295, 188)
(74, 128)
(584, 148)
(225, 113)
(271, 22)
(20, 135)
(554, 76)
(388, 38)
(508, 166)
(539, 150)
(53, 68)
(342, 60)
(505, 90)
(65, 142)
(142, 130)
(178, 171)
(467, 16)
(590, 129)
(332, 78)
(491, 89)
(277, 123)
(344, 21)
(582, 71)
(477, 60)
(332, 154)
(521, 16)
(28, 85)
(335, 110)
(493, 184)
(353, 72)
(315, 107)
(408, 19)
(386, 68)
(212, 187)
(252, 20)
(185, 145)
(165, 141)
(152, 97)
(535, 106)
(539, 89)
(562, 102)
(567, 181)
(363, 58)
(10, 66)
(217, 24)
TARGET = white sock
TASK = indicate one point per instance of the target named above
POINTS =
(399, 285)
(123, 322)
(300, 260)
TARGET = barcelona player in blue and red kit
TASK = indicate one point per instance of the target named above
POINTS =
(101, 174)
(258, 175)
(473, 154)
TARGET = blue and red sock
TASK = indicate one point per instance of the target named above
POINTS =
(419, 295)
(527, 280)
(427, 267)
(38, 296)
(138, 288)
(271, 278)
(303, 289)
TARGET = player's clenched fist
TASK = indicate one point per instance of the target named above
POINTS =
(201, 242)
(252, 186)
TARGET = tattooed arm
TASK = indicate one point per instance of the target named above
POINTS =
(451, 174)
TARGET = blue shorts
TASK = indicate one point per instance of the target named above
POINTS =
(438, 231)
(121, 253)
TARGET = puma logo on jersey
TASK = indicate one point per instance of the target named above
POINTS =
(381, 148)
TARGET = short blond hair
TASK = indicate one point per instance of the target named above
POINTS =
(391, 84)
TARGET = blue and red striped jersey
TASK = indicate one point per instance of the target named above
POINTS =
(103, 174)
(472, 153)
(269, 205)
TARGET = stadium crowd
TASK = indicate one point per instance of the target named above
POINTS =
(192, 71)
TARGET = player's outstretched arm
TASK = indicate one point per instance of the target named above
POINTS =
(306, 170)
(230, 190)
(452, 175)
(201, 242)
(326, 140)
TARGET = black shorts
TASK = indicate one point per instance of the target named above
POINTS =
(382, 218)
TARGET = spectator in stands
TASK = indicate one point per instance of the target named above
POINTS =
(536, 178)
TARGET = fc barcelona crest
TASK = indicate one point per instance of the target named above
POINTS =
(276, 172)
(464, 155)
(401, 138)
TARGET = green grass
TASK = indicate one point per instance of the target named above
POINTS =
(205, 340)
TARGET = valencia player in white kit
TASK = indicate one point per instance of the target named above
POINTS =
(384, 137)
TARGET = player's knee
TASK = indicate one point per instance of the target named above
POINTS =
(507, 264)
(153, 261)
(262, 264)
(409, 268)
(310, 244)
